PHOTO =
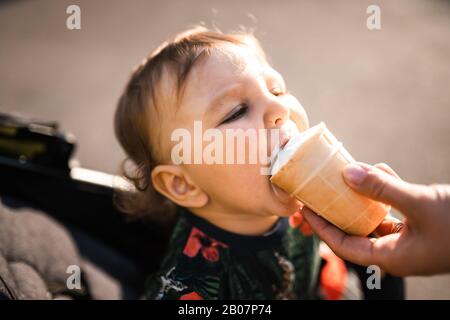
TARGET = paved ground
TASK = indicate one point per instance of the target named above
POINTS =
(384, 93)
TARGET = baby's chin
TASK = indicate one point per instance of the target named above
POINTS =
(287, 204)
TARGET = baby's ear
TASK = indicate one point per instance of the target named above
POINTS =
(173, 182)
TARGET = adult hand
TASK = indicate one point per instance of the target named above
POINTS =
(419, 246)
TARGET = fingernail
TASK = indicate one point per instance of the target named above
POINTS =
(354, 174)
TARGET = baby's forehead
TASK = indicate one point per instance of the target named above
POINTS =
(221, 67)
(228, 62)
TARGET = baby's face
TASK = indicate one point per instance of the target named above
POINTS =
(233, 89)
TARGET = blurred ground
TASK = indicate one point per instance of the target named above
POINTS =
(384, 93)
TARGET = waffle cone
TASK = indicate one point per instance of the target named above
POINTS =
(313, 175)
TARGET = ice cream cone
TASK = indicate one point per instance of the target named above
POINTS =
(310, 168)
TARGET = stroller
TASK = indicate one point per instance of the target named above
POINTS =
(46, 204)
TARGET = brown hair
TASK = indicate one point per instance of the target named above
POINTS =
(133, 123)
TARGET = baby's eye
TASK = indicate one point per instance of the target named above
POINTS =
(238, 112)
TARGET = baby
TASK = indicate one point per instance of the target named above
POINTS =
(233, 238)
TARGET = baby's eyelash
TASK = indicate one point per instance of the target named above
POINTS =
(236, 115)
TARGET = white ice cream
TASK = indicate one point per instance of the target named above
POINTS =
(281, 157)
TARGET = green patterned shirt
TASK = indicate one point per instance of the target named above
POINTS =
(206, 262)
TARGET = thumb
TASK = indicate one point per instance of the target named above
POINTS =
(380, 186)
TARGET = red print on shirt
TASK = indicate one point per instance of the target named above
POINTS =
(198, 241)
(297, 221)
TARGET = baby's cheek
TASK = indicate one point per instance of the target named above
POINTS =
(298, 114)
(245, 176)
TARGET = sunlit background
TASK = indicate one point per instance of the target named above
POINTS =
(385, 93)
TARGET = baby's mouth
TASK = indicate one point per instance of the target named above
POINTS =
(278, 147)
(284, 142)
(279, 193)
